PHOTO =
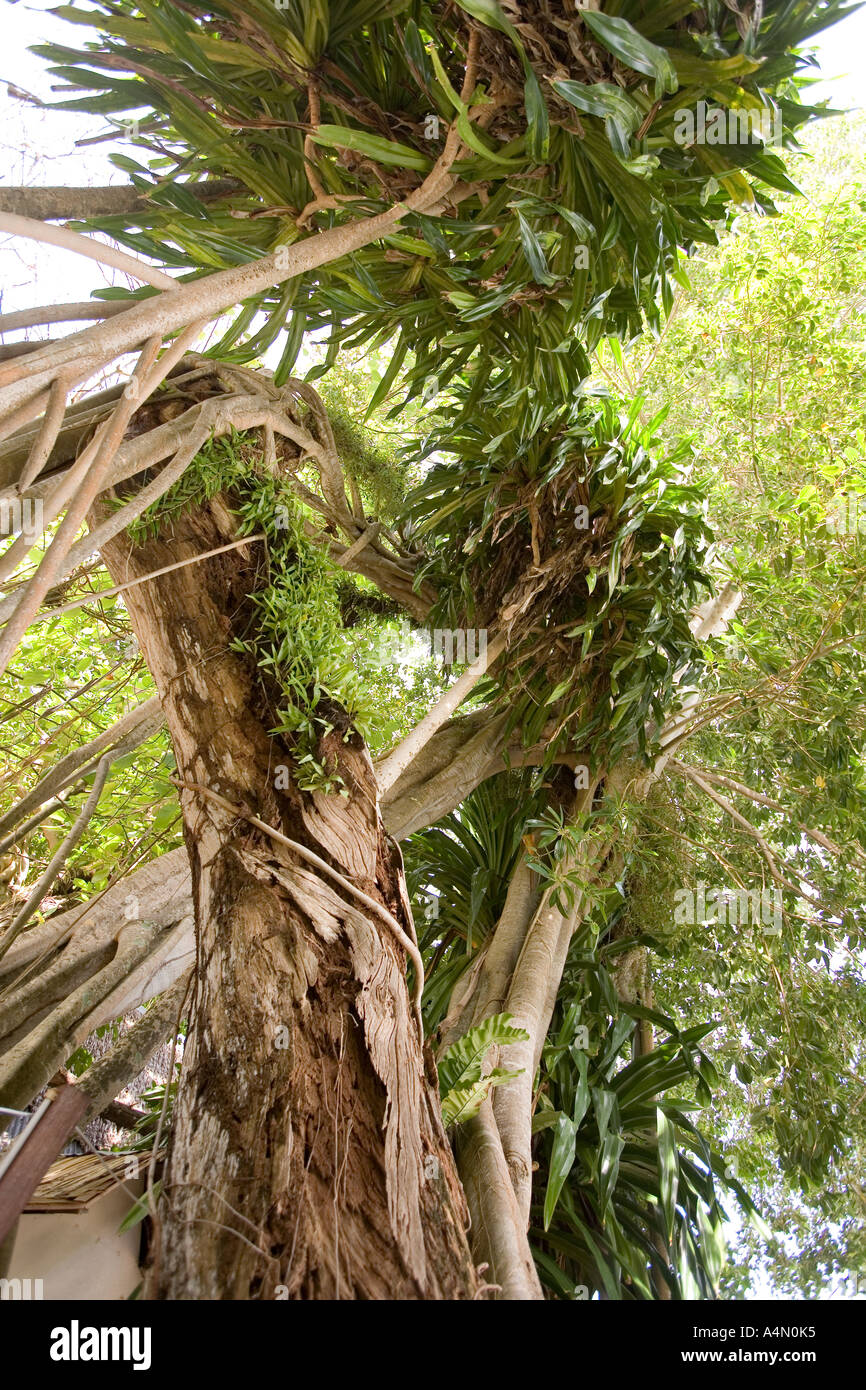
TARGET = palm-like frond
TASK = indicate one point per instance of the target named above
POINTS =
(575, 198)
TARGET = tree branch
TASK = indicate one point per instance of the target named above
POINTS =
(144, 720)
(768, 855)
(60, 204)
(719, 780)
(168, 313)
(86, 246)
(390, 768)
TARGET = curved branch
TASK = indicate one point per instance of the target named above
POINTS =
(60, 313)
(47, 437)
(59, 858)
(717, 779)
(768, 855)
(164, 314)
(86, 246)
(160, 892)
(461, 755)
(28, 1065)
(96, 460)
(446, 769)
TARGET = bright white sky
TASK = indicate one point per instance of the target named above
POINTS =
(38, 147)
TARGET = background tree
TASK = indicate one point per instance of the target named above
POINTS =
(763, 360)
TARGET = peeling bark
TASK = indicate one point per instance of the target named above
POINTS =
(308, 1157)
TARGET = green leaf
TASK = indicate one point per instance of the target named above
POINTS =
(461, 1104)
(668, 1169)
(621, 115)
(533, 253)
(373, 146)
(562, 1157)
(537, 119)
(608, 1167)
(489, 13)
(141, 1208)
(463, 1060)
(622, 40)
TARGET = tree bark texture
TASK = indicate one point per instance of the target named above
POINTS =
(77, 204)
(308, 1158)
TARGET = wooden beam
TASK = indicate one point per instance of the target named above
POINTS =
(36, 1149)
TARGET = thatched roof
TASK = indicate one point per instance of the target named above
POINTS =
(73, 1184)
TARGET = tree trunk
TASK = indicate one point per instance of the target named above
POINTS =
(308, 1158)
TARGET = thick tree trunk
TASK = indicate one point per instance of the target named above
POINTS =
(308, 1157)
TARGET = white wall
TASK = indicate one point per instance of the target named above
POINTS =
(80, 1256)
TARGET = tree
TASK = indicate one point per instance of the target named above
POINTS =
(763, 361)
(451, 193)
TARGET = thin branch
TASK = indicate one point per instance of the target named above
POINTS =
(770, 858)
(85, 246)
(143, 578)
(390, 768)
(21, 833)
(59, 858)
(64, 204)
(163, 1110)
(47, 437)
(61, 313)
(143, 721)
(58, 493)
(717, 779)
(319, 190)
(164, 314)
(24, 412)
(145, 379)
(357, 546)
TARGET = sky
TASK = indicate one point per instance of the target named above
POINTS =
(39, 147)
